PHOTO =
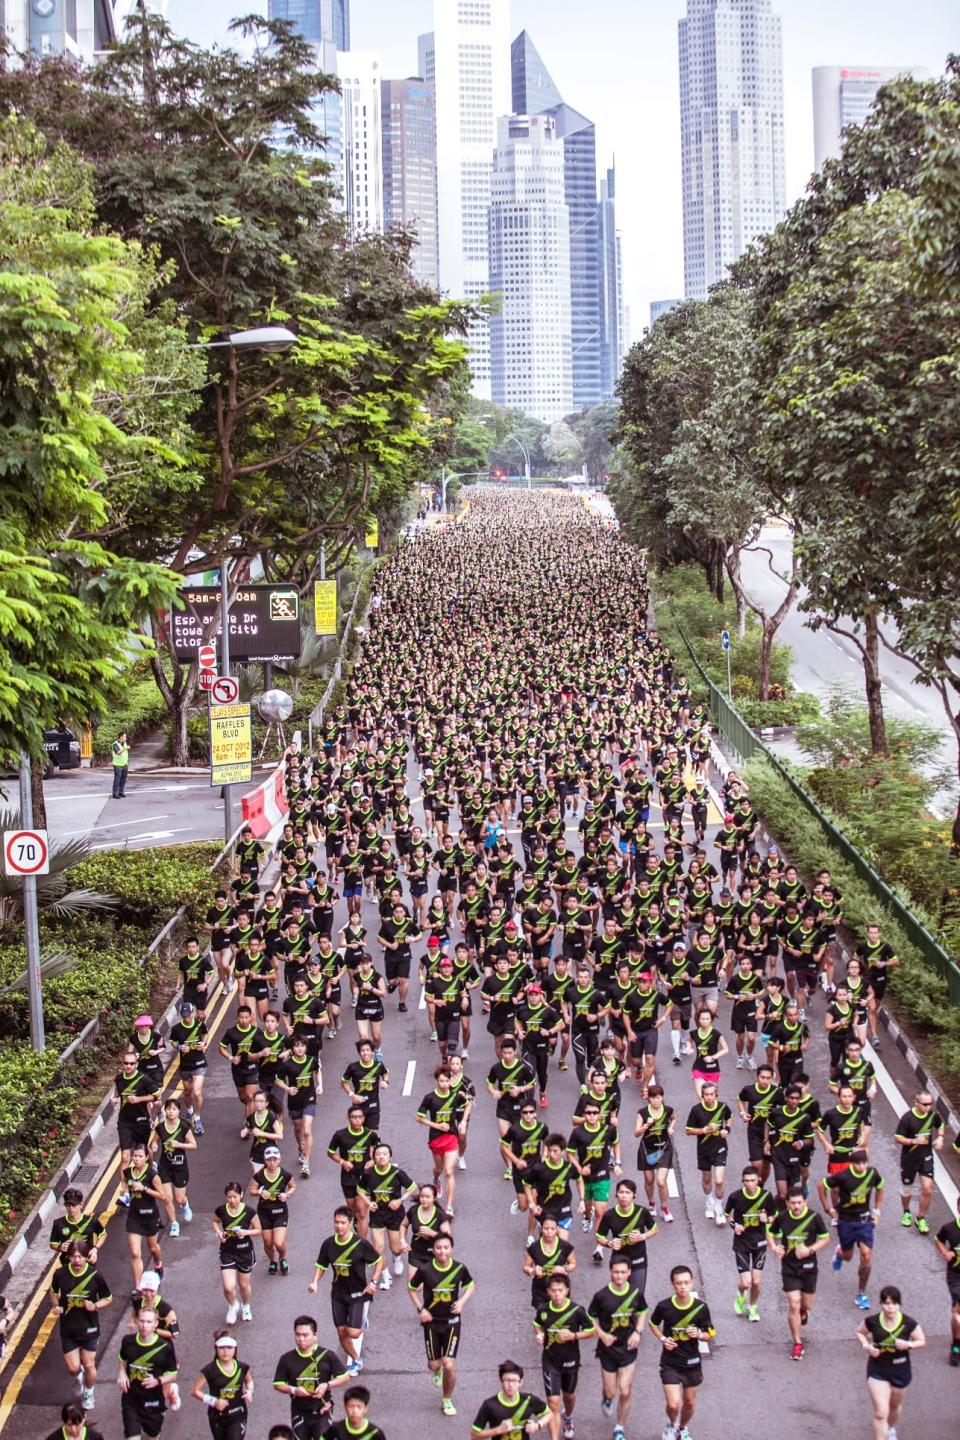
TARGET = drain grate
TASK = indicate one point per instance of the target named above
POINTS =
(84, 1175)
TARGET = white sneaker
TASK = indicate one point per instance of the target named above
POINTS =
(740, 1062)
(751, 1063)
(891, 1432)
(719, 1213)
(87, 1398)
(245, 1312)
(233, 1310)
(398, 1265)
(515, 1207)
(386, 1280)
(709, 1208)
(461, 1163)
(668, 1433)
(464, 1054)
(608, 1406)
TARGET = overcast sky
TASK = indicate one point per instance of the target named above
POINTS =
(616, 61)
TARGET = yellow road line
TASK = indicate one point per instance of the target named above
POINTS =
(12, 1392)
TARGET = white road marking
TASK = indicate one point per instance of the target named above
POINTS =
(673, 1189)
(422, 1003)
(900, 1106)
(408, 1078)
(117, 824)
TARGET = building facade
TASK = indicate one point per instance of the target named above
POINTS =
(534, 92)
(467, 59)
(409, 123)
(662, 307)
(842, 96)
(731, 133)
(613, 319)
(361, 139)
(79, 28)
(316, 20)
(529, 242)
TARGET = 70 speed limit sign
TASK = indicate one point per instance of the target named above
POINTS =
(25, 852)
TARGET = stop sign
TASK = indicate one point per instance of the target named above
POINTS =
(207, 656)
(207, 678)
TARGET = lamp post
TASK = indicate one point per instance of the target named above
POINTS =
(526, 458)
(267, 338)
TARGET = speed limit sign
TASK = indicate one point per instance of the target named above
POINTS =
(25, 852)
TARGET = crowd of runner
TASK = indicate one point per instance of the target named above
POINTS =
(519, 781)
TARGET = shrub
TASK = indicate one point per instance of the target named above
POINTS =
(35, 1119)
(152, 883)
(917, 992)
(143, 710)
(792, 710)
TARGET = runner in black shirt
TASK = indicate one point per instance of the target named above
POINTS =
(308, 1374)
(76, 1225)
(618, 1312)
(948, 1244)
(749, 1211)
(349, 1256)
(559, 1326)
(680, 1322)
(512, 1413)
(74, 1424)
(439, 1290)
(147, 1378)
(888, 1338)
(355, 1425)
(78, 1293)
(795, 1236)
(919, 1134)
(225, 1387)
(351, 1149)
(548, 1255)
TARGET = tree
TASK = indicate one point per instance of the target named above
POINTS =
(68, 604)
(294, 450)
(595, 429)
(560, 444)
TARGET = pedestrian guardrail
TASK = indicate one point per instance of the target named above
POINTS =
(745, 744)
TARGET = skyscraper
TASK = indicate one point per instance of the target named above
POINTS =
(79, 28)
(359, 72)
(530, 352)
(467, 57)
(614, 330)
(731, 133)
(535, 92)
(843, 96)
(316, 20)
(409, 124)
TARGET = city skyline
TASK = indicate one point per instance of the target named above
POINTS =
(620, 69)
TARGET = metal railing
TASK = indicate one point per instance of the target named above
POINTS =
(745, 744)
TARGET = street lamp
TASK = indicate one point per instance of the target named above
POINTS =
(268, 338)
(517, 441)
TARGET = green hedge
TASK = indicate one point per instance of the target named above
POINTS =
(142, 711)
(793, 710)
(40, 1112)
(917, 993)
(151, 883)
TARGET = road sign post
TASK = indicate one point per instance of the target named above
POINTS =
(27, 854)
(225, 673)
(725, 642)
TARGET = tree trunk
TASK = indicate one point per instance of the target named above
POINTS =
(873, 684)
(770, 627)
(180, 745)
(37, 768)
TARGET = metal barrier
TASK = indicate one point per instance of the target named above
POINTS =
(745, 744)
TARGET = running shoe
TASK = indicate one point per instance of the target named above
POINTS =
(684, 1434)
(618, 1433)
(233, 1310)
(597, 1256)
(586, 1225)
(797, 1352)
(187, 1214)
(740, 1304)
(354, 1368)
(753, 1314)
(740, 1062)
(402, 1007)
(174, 1229)
(954, 1356)
(284, 1267)
(448, 1407)
(245, 1312)
(273, 1268)
(669, 1432)
(922, 1226)
(836, 1264)
(437, 1378)
(304, 1170)
(124, 1200)
(87, 1398)
(568, 1430)
(464, 1054)
(515, 1207)
(861, 1301)
(544, 1102)
(906, 1219)
(385, 1280)
(197, 1126)
(751, 1063)
(608, 1406)
(668, 1217)
(461, 1163)
(398, 1265)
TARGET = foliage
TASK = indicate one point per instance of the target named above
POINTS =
(795, 709)
(595, 428)
(918, 994)
(59, 893)
(153, 883)
(68, 601)
(841, 737)
(141, 710)
(704, 618)
(35, 1121)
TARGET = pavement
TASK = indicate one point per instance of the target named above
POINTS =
(751, 1384)
(161, 807)
(822, 661)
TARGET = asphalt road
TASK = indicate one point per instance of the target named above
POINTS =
(823, 661)
(751, 1383)
(164, 807)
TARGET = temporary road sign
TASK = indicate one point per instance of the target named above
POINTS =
(25, 852)
(224, 690)
(325, 607)
(725, 639)
(231, 744)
